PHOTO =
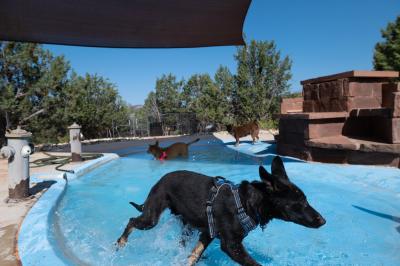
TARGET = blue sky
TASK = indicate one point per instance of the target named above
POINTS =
(320, 36)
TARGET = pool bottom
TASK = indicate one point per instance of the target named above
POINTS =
(95, 210)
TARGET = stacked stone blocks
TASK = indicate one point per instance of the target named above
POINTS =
(361, 105)
(292, 105)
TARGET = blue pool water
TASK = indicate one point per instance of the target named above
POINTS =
(360, 204)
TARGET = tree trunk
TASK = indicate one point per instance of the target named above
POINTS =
(8, 123)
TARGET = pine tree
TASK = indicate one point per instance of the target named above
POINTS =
(262, 78)
(387, 52)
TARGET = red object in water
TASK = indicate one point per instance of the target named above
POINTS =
(163, 156)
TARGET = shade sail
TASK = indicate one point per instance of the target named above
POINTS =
(124, 23)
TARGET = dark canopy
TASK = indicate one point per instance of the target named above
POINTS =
(124, 23)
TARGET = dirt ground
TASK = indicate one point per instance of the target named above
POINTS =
(12, 213)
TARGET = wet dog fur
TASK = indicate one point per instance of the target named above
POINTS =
(175, 150)
(185, 193)
(241, 131)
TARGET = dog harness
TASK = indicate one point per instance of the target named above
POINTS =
(246, 221)
(163, 156)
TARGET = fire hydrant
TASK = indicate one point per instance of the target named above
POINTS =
(17, 152)
(75, 142)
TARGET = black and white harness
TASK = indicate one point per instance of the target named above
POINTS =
(246, 221)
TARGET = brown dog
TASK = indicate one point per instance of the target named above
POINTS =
(175, 150)
(238, 132)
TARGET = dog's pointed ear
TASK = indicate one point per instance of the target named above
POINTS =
(264, 175)
(278, 169)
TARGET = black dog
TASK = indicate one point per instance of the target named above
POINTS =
(186, 194)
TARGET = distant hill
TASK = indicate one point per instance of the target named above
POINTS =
(135, 107)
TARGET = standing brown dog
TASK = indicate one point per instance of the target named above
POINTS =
(175, 150)
(238, 132)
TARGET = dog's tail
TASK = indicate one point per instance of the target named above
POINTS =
(194, 141)
(137, 206)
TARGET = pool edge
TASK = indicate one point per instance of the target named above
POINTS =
(33, 243)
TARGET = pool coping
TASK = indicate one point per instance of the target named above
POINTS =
(33, 243)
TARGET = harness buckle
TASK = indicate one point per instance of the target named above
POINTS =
(240, 210)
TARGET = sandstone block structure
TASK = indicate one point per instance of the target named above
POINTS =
(292, 105)
(350, 117)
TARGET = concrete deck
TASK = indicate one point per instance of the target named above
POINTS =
(347, 143)
(265, 135)
(12, 214)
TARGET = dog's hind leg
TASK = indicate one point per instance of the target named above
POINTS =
(147, 220)
(237, 142)
(198, 250)
(237, 252)
(141, 222)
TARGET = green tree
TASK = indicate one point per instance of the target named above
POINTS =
(94, 102)
(225, 82)
(167, 93)
(50, 126)
(262, 78)
(192, 91)
(203, 97)
(387, 52)
(294, 94)
(31, 80)
(167, 103)
(151, 107)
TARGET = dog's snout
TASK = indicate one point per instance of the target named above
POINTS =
(321, 221)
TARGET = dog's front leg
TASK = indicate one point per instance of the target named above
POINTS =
(198, 250)
(237, 142)
(238, 253)
(186, 233)
(124, 237)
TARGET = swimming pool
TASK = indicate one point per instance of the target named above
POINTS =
(359, 203)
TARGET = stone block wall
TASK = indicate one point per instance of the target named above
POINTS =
(350, 117)
(343, 94)
(393, 132)
(391, 98)
(294, 132)
(291, 105)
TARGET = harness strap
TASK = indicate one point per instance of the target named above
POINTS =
(211, 224)
(246, 221)
(163, 156)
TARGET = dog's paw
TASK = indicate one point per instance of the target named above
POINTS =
(121, 242)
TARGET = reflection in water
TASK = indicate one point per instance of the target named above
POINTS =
(382, 215)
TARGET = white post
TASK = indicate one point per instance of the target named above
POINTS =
(17, 152)
(75, 141)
